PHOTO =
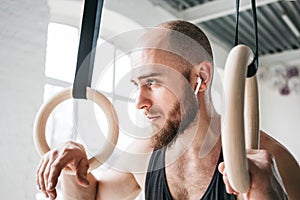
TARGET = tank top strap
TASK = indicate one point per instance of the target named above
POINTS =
(156, 186)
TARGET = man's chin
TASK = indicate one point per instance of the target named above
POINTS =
(164, 135)
(158, 126)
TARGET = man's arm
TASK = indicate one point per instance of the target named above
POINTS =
(113, 185)
(117, 185)
(274, 173)
(287, 165)
(71, 189)
(265, 180)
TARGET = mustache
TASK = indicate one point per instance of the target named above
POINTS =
(154, 110)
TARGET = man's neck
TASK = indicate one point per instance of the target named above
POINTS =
(200, 141)
(191, 161)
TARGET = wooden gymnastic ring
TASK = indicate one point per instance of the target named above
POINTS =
(93, 95)
(234, 127)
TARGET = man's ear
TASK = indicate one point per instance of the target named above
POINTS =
(205, 73)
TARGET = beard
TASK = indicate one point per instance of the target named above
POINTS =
(177, 121)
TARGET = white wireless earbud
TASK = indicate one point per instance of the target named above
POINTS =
(199, 81)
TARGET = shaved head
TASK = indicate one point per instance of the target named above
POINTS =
(191, 31)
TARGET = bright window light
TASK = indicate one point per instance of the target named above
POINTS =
(62, 47)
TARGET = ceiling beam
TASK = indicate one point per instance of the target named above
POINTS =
(215, 9)
(165, 6)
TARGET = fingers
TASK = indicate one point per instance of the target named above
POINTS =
(229, 189)
(43, 172)
(221, 167)
(52, 164)
(81, 172)
(48, 168)
(40, 175)
(54, 173)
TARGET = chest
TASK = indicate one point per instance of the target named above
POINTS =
(188, 180)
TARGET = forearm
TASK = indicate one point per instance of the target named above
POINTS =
(72, 190)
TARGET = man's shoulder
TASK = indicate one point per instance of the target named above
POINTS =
(270, 144)
(140, 146)
(141, 150)
(278, 150)
(136, 156)
(287, 165)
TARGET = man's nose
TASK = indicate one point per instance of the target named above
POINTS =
(143, 99)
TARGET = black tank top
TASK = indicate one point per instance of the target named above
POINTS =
(156, 186)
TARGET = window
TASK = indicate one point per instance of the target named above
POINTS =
(62, 125)
(62, 45)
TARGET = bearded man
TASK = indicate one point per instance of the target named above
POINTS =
(172, 68)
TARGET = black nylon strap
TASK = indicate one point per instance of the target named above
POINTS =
(88, 40)
(237, 14)
(252, 68)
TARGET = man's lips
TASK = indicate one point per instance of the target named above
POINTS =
(152, 118)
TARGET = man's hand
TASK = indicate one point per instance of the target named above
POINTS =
(265, 180)
(70, 155)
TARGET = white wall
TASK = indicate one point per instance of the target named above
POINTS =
(22, 57)
(280, 115)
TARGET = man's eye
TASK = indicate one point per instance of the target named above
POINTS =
(134, 83)
(151, 82)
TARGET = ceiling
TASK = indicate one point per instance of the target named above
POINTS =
(277, 41)
(276, 20)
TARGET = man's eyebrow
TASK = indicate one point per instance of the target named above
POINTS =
(154, 74)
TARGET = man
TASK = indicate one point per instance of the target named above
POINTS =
(172, 71)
